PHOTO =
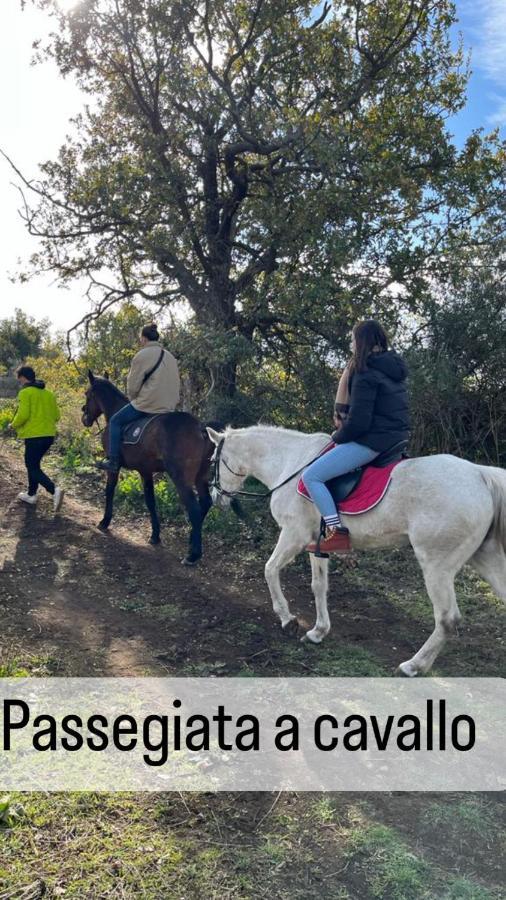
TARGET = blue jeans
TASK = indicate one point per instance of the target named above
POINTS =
(342, 459)
(118, 422)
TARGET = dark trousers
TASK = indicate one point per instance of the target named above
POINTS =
(35, 449)
(119, 421)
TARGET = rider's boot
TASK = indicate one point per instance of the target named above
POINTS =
(109, 465)
(333, 538)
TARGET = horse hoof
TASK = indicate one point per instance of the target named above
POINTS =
(154, 541)
(406, 670)
(312, 637)
(188, 561)
(103, 526)
(291, 628)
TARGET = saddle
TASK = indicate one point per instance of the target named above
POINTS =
(342, 486)
(133, 432)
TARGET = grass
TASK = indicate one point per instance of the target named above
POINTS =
(253, 846)
(29, 666)
(244, 846)
(74, 841)
(470, 817)
(393, 870)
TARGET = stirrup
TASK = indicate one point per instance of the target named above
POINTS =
(318, 553)
(108, 465)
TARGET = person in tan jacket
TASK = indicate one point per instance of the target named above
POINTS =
(153, 387)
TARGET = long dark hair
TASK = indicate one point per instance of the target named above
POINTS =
(369, 336)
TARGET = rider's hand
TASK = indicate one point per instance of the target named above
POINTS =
(337, 422)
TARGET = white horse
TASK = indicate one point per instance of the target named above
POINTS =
(451, 511)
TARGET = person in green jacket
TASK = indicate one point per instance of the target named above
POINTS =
(35, 422)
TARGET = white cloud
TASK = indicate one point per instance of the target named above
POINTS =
(484, 22)
(491, 56)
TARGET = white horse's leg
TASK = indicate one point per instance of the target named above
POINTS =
(286, 549)
(319, 586)
(441, 590)
(441, 555)
(490, 562)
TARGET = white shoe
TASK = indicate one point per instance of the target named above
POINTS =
(58, 499)
(27, 498)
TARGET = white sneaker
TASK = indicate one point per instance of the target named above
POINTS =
(58, 498)
(27, 498)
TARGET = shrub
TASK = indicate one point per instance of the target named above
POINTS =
(6, 415)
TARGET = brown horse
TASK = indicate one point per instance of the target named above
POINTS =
(175, 443)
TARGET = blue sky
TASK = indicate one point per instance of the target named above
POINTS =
(483, 27)
(36, 104)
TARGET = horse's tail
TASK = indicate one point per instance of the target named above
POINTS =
(495, 479)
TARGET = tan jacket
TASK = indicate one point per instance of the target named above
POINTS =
(160, 393)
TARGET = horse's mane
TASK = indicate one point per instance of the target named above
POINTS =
(264, 427)
(107, 386)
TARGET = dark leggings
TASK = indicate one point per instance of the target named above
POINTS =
(35, 449)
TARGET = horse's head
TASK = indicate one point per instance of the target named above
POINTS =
(92, 408)
(229, 474)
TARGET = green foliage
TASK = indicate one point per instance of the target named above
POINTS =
(4, 812)
(216, 169)
(111, 342)
(29, 665)
(20, 336)
(12, 669)
(78, 451)
(130, 496)
(7, 411)
(458, 369)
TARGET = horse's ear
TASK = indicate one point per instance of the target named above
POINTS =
(91, 377)
(106, 376)
(215, 436)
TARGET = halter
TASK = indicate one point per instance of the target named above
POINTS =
(101, 428)
(215, 483)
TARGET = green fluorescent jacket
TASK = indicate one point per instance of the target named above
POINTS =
(37, 412)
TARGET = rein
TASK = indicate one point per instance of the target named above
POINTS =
(216, 477)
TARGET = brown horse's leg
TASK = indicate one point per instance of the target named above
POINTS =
(202, 486)
(149, 497)
(192, 507)
(110, 487)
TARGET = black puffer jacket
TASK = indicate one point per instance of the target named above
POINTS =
(379, 412)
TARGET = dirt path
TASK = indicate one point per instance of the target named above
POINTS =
(90, 603)
(74, 601)
(85, 603)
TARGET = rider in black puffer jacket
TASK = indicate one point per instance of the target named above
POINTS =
(371, 413)
(379, 411)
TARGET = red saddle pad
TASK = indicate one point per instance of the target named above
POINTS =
(371, 490)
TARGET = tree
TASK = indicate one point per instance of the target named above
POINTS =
(111, 341)
(458, 365)
(20, 336)
(278, 165)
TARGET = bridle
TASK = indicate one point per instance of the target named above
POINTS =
(95, 422)
(216, 483)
